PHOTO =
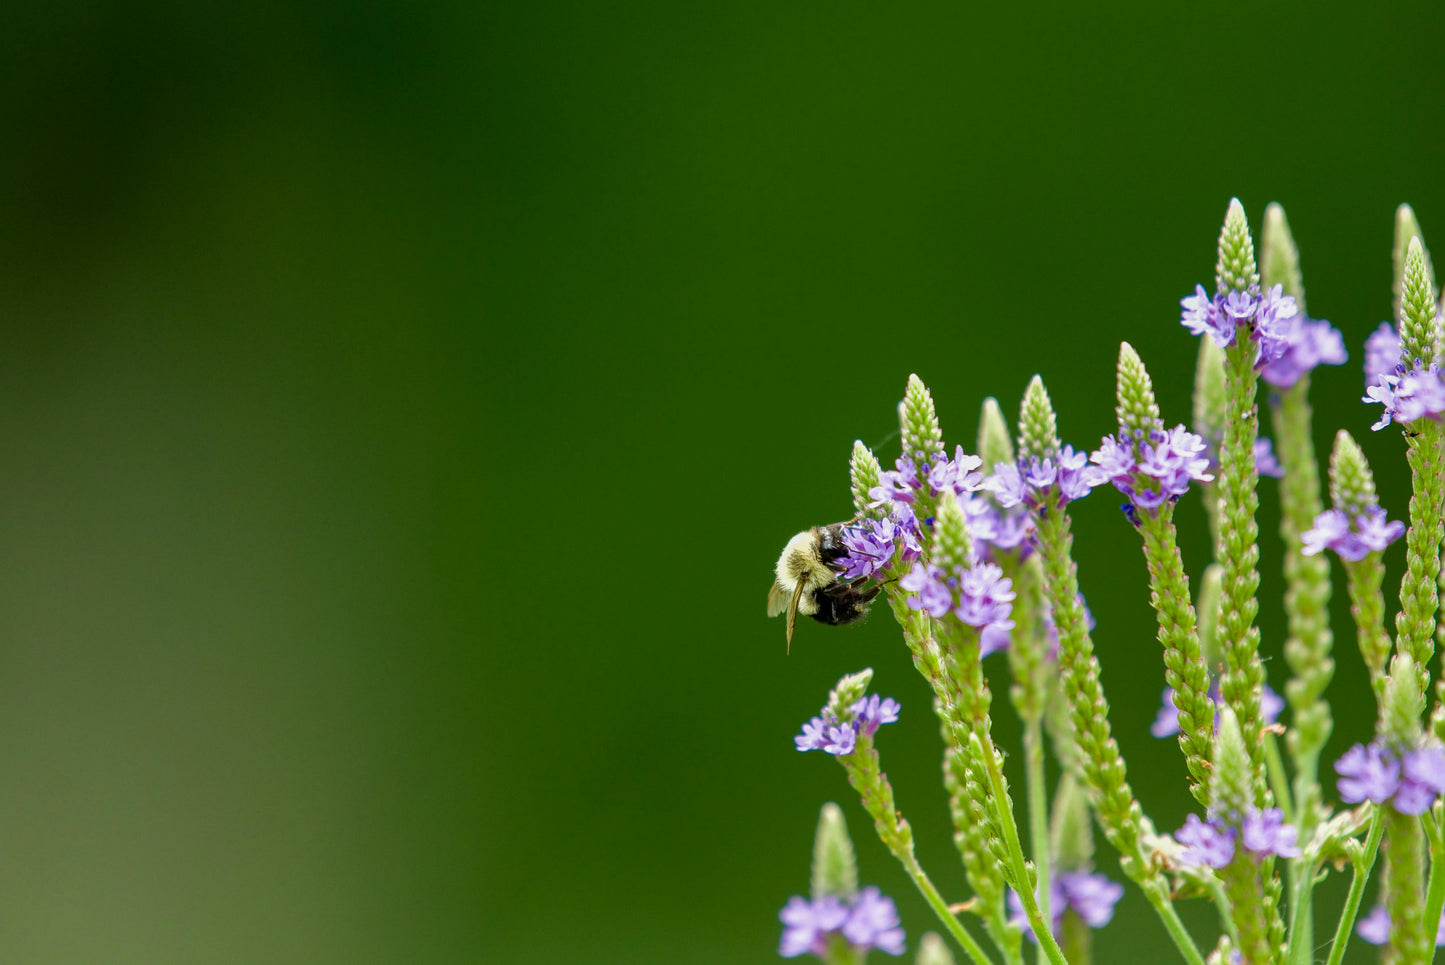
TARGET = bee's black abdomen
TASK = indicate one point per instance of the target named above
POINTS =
(841, 603)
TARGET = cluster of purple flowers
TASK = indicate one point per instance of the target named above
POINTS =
(979, 595)
(1090, 896)
(911, 476)
(1152, 469)
(997, 531)
(1038, 483)
(1410, 782)
(1213, 842)
(1273, 320)
(1311, 344)
(1352, 538)
(873, 544)
(1375, 927)
(866, 921)
(1406, 397)
(1167, 722)
(1382, 354)
(829, 734)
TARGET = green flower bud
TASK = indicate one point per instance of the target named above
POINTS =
(1071, 827)
(1137, 409)
(1352, 484)
(1407, 227)
(1231, 783)
(850, 688)
(952, 545)
(994, 444)
(835, 865)
(1279, 257)
(1236, 269)
(1211, 588)
(863, 475)
(1418, 334)
(1403, 704)
(1038, 428)
(922, 437)
(932, 951)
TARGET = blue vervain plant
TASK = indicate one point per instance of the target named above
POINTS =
(974, 554)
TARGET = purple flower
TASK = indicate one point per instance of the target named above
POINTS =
(1265, 464)
(1037, 483)
(873, 712)
(1204, 315)
(1155, 469)
(1310, 344)
(1382, 354)
(872, 545)
(1090, 896)
(1166, 722)
(1209, 844)
(1373, 773)
(868, 920)
(1353, 539)
(1212, 842)
(979, 595)
(807, 924)
(1422, 780)
(901, 485)
(1414, 395)
(873, 923)
(1264, 832)
(1272, 318)
(1367, 773)
(1375, 927)
(830, 735)
(985, 596)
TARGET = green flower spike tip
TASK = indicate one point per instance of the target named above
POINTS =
(1417, 306)
(835, 865)
(932, 951)
(994, 444)
(1137, 410)
(1406, 228)
(1236, 269)
(863, 475)
(1278, 255)
(1038, 428)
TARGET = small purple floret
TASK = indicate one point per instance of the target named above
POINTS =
(1208, 844)
(806, 925)
(1090, 896)
(1367, 773)
(1422, 780)
(1382, 354)
(1264, 832)
(867, 921)
(1352, 538)
(1417, 394)
(1272, 318)
(1310, 344)
(1375, 927)
(830, 735)
(873, 923)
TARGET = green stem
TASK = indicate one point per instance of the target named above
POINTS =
(1158, 896)
(1362, 867)
(1278, 779)
(1038, 806)
(1435, 890)
(950, 921)
(1300, 950)
(984, 751)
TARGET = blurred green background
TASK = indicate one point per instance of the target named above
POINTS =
(403, 406)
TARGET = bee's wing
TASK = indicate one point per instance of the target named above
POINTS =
(793, 611)
(777, 599)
